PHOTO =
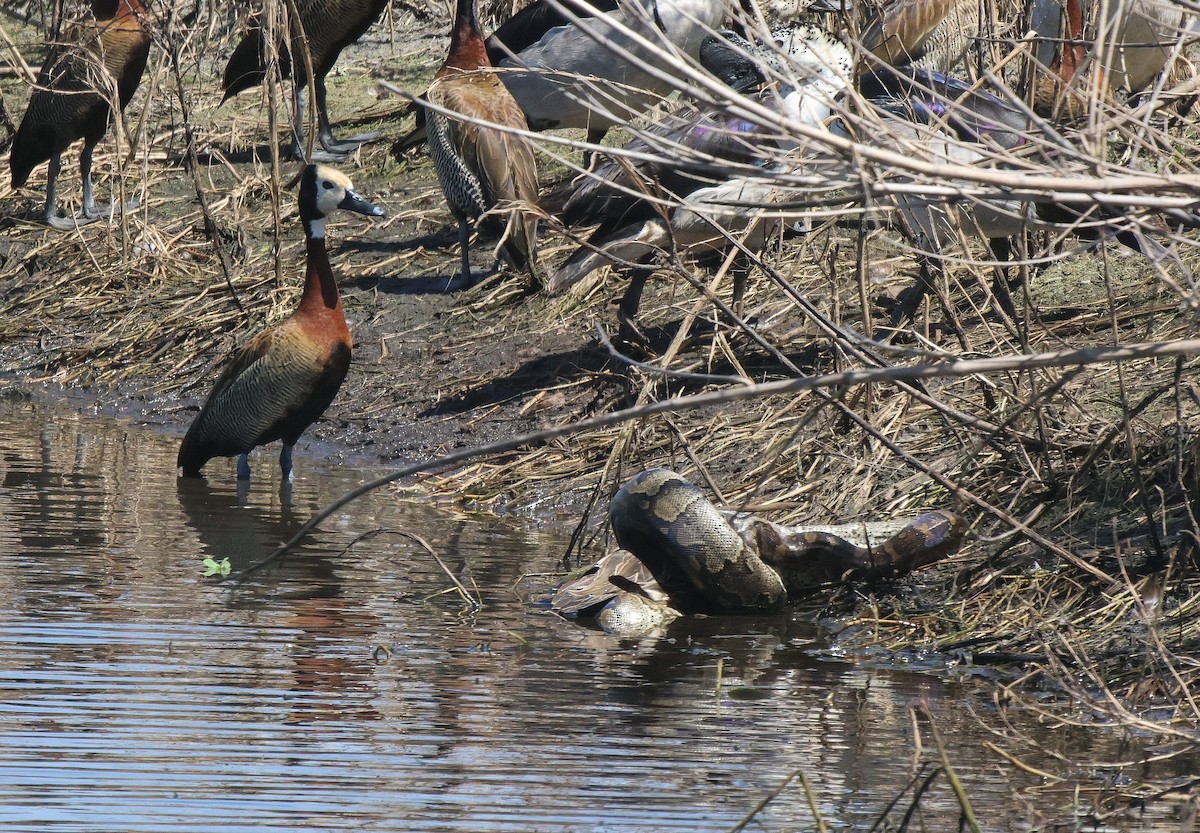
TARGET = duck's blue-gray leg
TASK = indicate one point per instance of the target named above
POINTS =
(88, 212)
(297, 147)
(464, 241)
(300, 131)
(1001, 287)
(285, 462)
(85, 174)
(244, 466)
(325, 131)
(91, 212)
(51, 212)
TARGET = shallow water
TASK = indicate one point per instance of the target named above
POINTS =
(344, 689)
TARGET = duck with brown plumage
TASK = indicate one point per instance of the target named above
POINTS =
(283, 379)
(559, 62)
(481, 168)
(959, 37)
(330, 26)
(99, 62)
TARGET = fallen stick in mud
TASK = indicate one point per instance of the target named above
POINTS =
(949, 369)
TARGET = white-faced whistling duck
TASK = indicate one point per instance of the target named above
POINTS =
(562, 77)
(73, 99)
(330, 26)
(282, 380)
(481, 167)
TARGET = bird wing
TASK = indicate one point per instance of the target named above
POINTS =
(534, 22)
(596, 585)
(242, 358)
(935, 98)
(899, 30)
(684, 143)
(508, 173)
(267, 382)
(503, 161)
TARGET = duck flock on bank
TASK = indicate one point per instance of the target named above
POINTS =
(771, 124)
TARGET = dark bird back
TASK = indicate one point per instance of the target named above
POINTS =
(65, 105)
(329, 25)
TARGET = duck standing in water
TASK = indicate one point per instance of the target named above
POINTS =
(481, 167)
(330, 26)
(74, 96)
(282, 380)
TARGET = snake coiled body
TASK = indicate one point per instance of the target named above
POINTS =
(703, 560)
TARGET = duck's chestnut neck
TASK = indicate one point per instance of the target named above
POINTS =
(467, 49)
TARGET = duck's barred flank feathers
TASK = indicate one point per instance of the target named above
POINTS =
(286, 388)
(72, 98)
(329, 25)
(460, 185)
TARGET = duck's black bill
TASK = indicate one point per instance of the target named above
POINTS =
(353, 202)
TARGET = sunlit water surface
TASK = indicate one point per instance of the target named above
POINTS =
(346, 690)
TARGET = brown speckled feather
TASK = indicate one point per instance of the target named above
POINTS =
(934, 33)
(481, 167)
(64, 106)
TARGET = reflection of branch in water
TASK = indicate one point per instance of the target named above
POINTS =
(474, 602)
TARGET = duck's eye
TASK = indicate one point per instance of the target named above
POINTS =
(327, 185)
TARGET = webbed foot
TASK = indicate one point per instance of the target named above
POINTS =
(69, 223)
(344, 146)
(109, 211)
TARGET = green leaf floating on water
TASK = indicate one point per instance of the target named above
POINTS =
(212, 568)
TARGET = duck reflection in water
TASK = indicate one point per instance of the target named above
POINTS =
(304, 591)
(233, 523)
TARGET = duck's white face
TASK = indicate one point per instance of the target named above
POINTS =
(332, 187)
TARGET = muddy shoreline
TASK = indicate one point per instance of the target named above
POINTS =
(435, 368)
(136, 317)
